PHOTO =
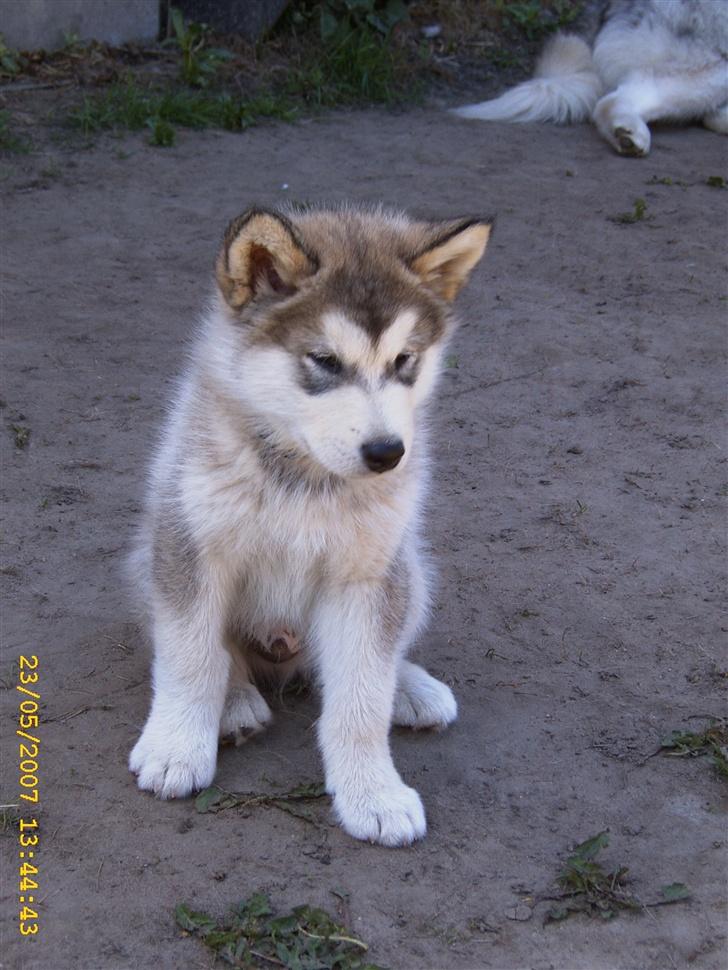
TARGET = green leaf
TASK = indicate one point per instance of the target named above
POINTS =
(209, 799)
(591, 848)
(178, 23)
(256, 906)
(674, 892)
(328, 26)
(193, 921)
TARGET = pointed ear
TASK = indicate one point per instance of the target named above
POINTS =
(261, 253)
(456, 247)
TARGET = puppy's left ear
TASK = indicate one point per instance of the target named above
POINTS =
(446, 262)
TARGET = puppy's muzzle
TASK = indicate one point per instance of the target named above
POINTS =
(382, 454)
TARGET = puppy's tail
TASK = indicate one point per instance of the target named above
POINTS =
(565, 88)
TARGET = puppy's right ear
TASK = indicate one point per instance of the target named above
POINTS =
(261, 254)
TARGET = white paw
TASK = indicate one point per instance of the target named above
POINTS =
(621, 126)
(172, 759)
(632, 138)
(422, 701)
(245, 713)
(390, 815)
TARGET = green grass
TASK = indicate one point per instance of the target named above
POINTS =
(352, 61)
(354, 67)
(536, 20)
(252, 936)
(131, 106)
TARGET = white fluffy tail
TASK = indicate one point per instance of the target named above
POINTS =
(565, 88)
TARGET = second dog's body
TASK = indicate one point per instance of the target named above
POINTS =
(282, 520)
(650, 60)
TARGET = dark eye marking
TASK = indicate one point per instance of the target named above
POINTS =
(329, 363)
(406, 368)
(321, 372)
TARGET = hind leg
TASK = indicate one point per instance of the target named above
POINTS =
(245, 712)
(623, 115)
(618, 120)
(422, 701)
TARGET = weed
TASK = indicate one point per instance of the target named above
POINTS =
(131, 106)
(163, 134)
(251, 936)
(713, 741)
(199, 62)
(588, 888)
(8, 141)
(215, 799)
(534, 19)
(353, 58)
(636, 215)
(9, 60)
(21, 435)
(351, 68)
(716, 182)
(72, 42)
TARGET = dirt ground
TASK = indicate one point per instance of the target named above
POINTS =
(575, 520)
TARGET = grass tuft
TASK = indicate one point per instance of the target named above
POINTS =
(638, 214)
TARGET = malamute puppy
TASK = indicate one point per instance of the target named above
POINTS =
(651, 60)
(282, 521)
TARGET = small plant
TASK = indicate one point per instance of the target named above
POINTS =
(199, 61)
(535, 19)
(716, 182)
(713, 742)
(348, 16)
(21, 435)
(163, 134)
(9, 60)
(590, 889)
(252, 936)
(356, 59)
(637, 214)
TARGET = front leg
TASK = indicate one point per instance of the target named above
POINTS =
(356, 650)
(177, 751)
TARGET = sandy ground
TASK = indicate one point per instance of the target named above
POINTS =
(575, 520)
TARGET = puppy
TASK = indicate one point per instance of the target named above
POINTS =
(282, 520)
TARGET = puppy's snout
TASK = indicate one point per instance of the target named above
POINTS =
(382, 454)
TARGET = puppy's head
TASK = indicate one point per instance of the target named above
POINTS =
(343, 316)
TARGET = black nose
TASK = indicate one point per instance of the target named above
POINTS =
(382, 454)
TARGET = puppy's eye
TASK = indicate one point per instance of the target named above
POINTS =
(327, 362)
(403, 361)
